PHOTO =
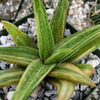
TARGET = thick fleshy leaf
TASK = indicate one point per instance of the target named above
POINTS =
(12, 29)
(33, 75)
(20, 38)
(78, 40)
(10, 76)
(43, 29)
(86, 68)
(24, 40)
(56, 55)
(65, 88)
(59, 20)
(92, 46)
(18, 55)
(70, 72)
(14, 78)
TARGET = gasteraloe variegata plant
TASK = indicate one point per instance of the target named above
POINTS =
(54, 57)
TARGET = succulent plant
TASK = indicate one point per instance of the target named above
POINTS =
(54, 57)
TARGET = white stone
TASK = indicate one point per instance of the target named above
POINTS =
(87, 8)
(94, 63)
(10, 94)
(73, 2)
(1, 26)
(9, 37)
(33, 29)
(11, 65)
(3, 39)
(6, 45)
(70, 12)
(50, 11)
(3, 65)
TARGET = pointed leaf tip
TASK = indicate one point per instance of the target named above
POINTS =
(3, 22)
(43, 29)
(70, 72)
(11, 29)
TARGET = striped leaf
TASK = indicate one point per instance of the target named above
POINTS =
(70, 72)
(43, 29)
(78, 40)
(92, 46)
(56, 55)
(24, 40)
(20, 38)
(86, 68)
(10, 76)
(65, 88)
(33, 75)
(59, 20)
(18, 55)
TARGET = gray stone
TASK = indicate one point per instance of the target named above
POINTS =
(98, 69)
(67, 32)
(51, 92)
(49, 86)
(53, 97)
(41, 93)
(30, 98)
(87, 91)
(5, 89)
(35, 93)
(14, 86)
(45, 98)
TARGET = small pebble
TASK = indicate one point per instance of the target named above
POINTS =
(5, 89)
(14, 86)
(10, 94)
(35, 93)
(94, 63)
(49, 93)
(49, 86)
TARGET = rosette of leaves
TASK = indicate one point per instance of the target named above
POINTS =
(54, 57)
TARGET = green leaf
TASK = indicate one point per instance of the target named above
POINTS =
(20, 38)
(59, 20)
(12, 29)
(18, 55)
(78, 40)
(86, 68)
(65, 88)
(70, 72)
(33, 75)
(92, 46)
(43, 29)
(24, 40)
(10, 76)
(56, 55)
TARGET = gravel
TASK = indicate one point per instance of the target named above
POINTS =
(78, 17)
